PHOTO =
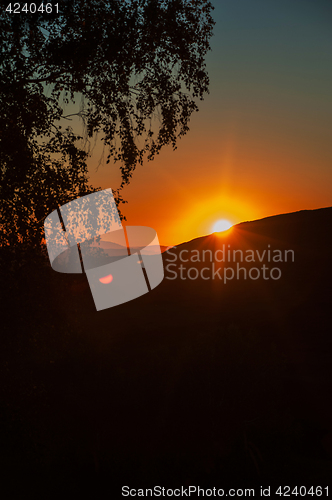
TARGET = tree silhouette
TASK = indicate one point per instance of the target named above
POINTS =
(132, 70)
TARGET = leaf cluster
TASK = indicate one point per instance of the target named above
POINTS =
(139, 69)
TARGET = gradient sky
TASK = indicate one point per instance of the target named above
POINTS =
(261, 143)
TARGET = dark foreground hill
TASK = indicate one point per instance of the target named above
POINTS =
(205, 381)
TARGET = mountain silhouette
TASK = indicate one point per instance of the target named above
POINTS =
(305, 277)
(200, 381)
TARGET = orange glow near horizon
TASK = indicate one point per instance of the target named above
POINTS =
(226, 167)
(225, 173)
(201, 216)
(260, 144)
(179, 211)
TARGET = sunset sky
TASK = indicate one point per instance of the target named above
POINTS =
(261, 143)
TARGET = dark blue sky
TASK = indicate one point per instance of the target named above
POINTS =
(261, 143)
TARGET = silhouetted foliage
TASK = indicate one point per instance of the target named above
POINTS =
(224, 386)
(135, 67)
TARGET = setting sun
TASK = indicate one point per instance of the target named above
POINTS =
(221, 225)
